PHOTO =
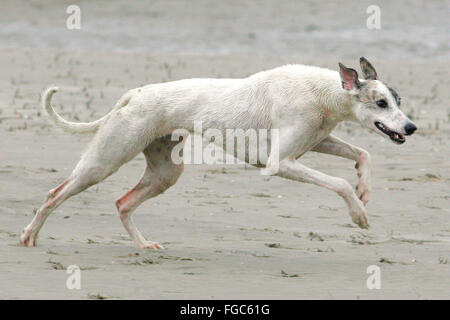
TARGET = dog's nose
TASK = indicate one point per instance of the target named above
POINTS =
(410, 128)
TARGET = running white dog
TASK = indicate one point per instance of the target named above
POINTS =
(304, 103)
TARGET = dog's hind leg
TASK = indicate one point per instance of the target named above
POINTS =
(335, 146)
(159, 175)
(105, 155)
(77, 182)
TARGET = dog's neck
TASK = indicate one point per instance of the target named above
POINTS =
(336, 103)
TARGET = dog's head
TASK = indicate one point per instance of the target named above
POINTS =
(377, 105)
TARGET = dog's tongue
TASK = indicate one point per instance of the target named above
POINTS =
(399, 136)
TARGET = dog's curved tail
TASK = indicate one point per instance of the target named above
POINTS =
(77, 127)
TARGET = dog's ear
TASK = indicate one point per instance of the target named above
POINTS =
(367, 69)
(349, 78)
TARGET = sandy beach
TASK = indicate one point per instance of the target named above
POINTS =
(229, 232)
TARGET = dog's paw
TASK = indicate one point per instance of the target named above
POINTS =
(150, 245)
(361, 221)
(363, 192)
(28, 240)
(359, 217)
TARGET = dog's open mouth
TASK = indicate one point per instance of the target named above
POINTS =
(395, 136)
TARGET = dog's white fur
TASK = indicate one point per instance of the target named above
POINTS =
(305, 103)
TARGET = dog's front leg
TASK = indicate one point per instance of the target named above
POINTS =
(335, 146)
(294, 170)
(284, 143)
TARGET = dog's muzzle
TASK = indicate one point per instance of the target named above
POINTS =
(410, 128)
(395, 136)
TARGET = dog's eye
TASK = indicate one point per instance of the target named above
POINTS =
(382, 103)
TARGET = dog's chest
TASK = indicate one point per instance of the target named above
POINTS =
(313, 137)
